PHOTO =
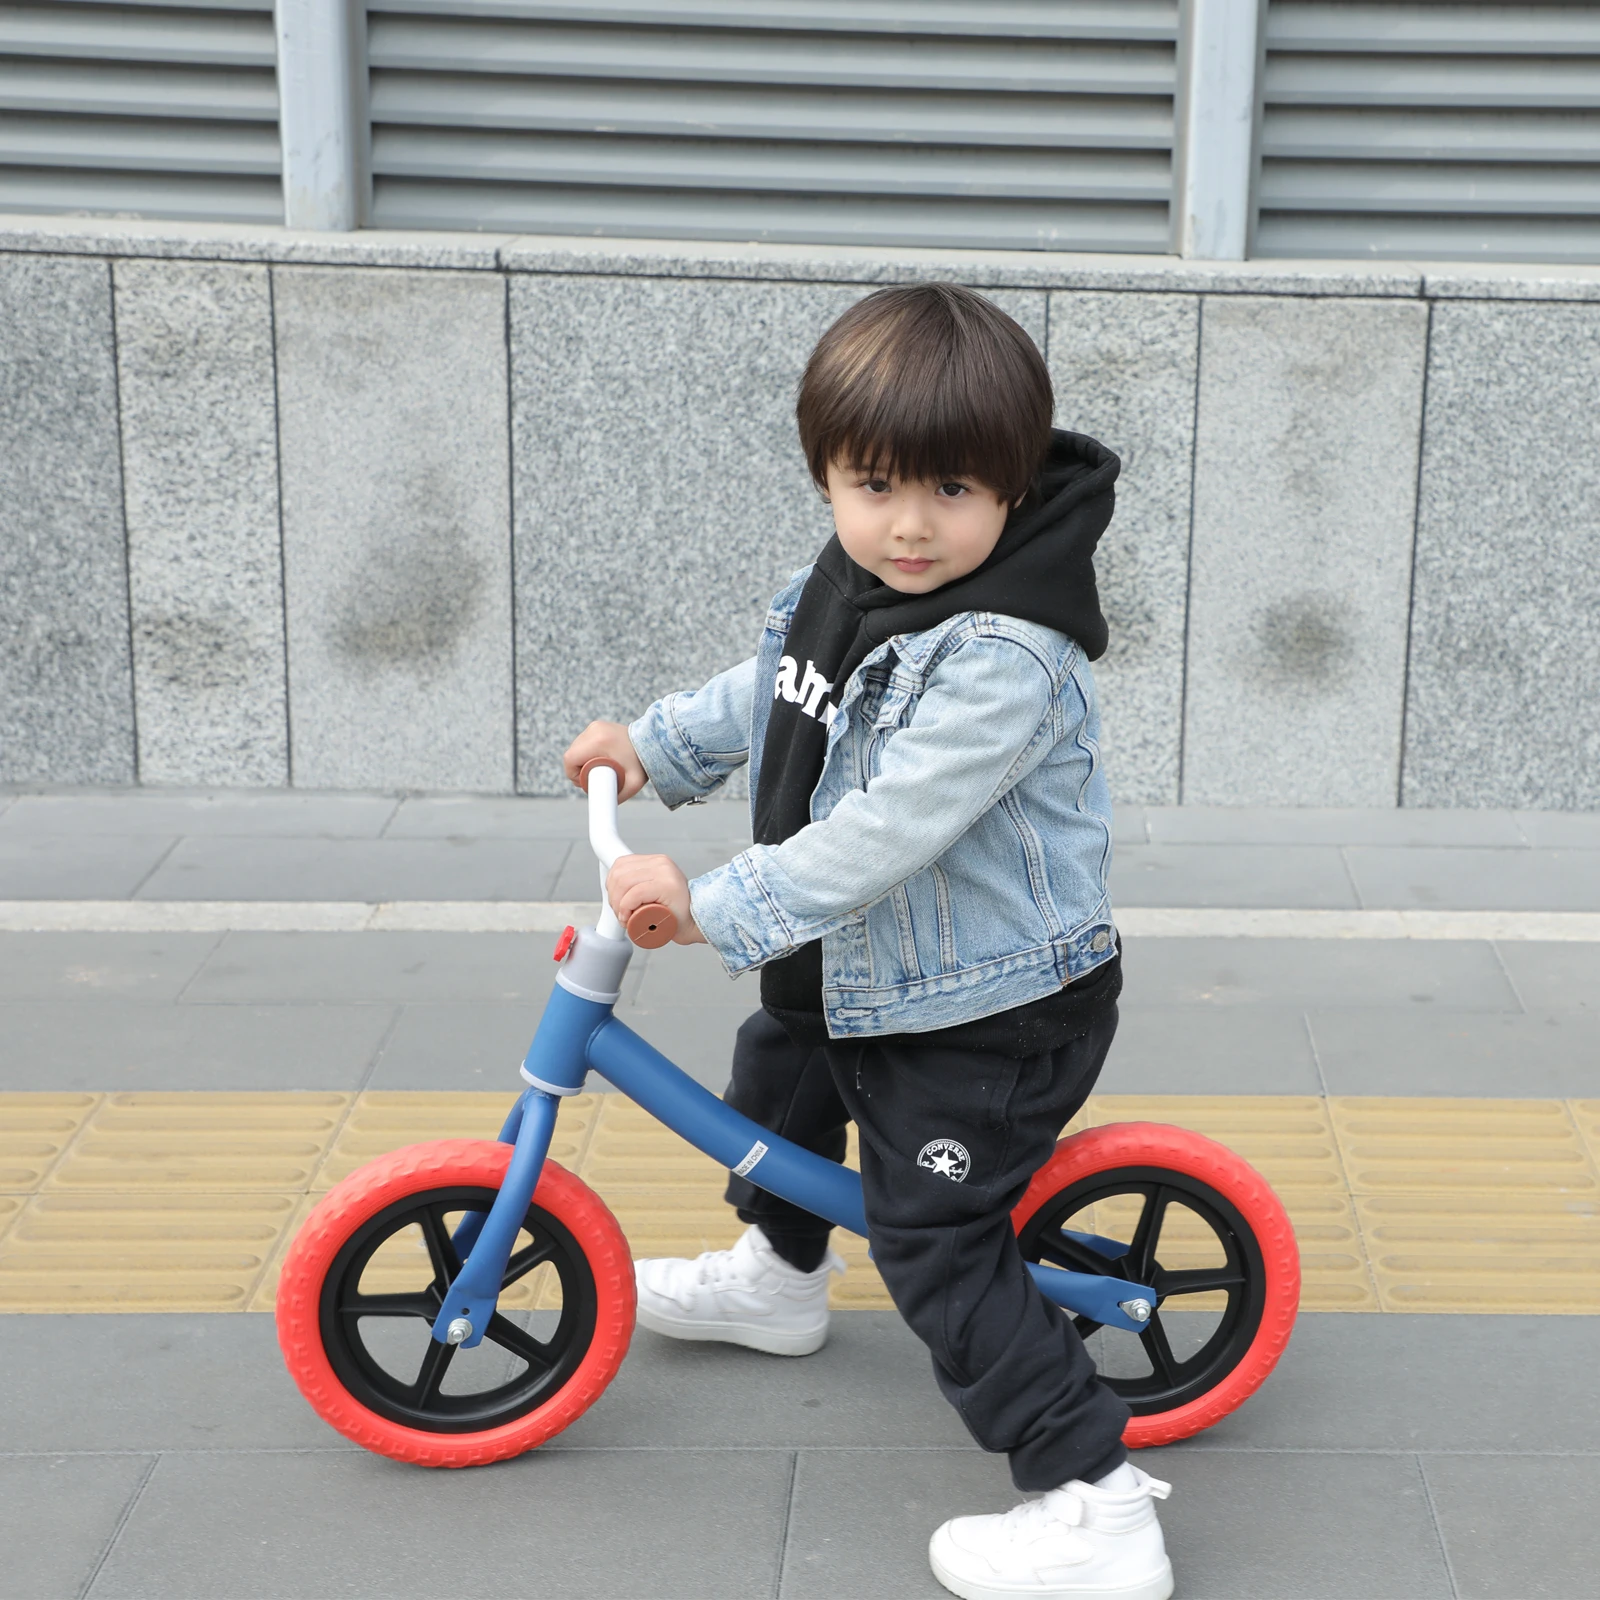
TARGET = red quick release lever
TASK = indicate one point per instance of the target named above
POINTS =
(564, 943)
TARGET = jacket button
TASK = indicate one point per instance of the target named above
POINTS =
(1101, 939)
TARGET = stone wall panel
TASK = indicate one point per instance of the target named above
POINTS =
(396, 525)
(66, 694)
(1304, 503)
(194, 359)
(1504, 687)
(1123, 366)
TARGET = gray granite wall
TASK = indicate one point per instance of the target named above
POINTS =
(66, 702)
(405, 511)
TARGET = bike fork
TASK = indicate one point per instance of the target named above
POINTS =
(484, 1239)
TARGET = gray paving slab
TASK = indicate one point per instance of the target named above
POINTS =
(860, 1522)
(1281, 1526)
(570, 1525)
(1197, 1049)
(1394, 1381)
(1577, 829)
(1554, 977)
(109, 1044)
(1230, 875)
(159, 1381)
(73, 867)
(1346, 973)
(1424, 829)
(689, 974)
(56, 966)
(1417, 1050)
(57, 1515)
(356, 967)
(1467, 880)
(359, 869)
(1518, 1525)
(457, 1046)
(870, 1386)
(157, 811)
(579, 876)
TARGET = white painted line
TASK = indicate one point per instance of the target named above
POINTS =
(550, 916)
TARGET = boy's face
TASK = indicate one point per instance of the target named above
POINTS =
(914, 536)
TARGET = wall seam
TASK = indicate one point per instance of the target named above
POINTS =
(1188, 569)
(511, 536)
(122, 502)
(1411, 591)
(283, 561)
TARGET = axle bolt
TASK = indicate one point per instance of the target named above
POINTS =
(460, 1330)
(1139, 1310)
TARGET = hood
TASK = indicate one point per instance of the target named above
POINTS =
(1041, 570)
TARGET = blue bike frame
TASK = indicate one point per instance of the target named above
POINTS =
(577, 1034)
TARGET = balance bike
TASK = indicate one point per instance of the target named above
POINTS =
(388, 1308)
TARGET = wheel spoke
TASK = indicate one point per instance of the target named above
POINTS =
(441, 1248)
(1200, 1280)
(435, 1363)
(425, 1304)
(505, 1333)
(1154, 1340)
(525, 1260)
(1141, 1257)
(1061, 1251)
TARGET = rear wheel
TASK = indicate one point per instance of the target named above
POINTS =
(365, 1279)
(1204, 1230)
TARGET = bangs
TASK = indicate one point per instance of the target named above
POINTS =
(927, 382)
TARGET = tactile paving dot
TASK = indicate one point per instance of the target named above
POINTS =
(1471, 1146)
(201, 1142)
(385, 1120)
(34, 1130)
(139, 1250)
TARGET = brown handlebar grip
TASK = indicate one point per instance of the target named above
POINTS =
(652, 926)
(600, 761)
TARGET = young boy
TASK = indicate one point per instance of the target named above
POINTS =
(926, 900)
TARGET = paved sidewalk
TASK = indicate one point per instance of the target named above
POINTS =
(1393, 1454)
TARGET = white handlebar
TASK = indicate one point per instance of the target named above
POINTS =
(606, 843)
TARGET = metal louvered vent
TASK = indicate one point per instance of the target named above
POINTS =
(1431, 130)
(1011, 123)
(140, 109)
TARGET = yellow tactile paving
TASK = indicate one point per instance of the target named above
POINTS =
(201, 1142)
(34, 1130)
(188, 1201)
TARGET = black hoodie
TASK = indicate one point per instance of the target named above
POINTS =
(1041, 570)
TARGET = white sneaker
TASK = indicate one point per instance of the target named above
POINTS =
(1075, 1541)
(748, 1295)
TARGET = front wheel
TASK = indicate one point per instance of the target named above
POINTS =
(1205, 1231)
(365, 1279)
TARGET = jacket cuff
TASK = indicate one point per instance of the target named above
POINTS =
(740, 923)
(666, 757)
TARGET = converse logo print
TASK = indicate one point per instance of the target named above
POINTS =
(947, 1158)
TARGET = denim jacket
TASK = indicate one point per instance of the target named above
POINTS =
(955, 865)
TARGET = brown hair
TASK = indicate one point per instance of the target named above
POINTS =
(926, 382)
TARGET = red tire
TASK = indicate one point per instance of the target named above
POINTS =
(564, 1207)
(1225, 1189)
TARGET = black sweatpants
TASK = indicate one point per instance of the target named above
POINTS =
(949, 1141)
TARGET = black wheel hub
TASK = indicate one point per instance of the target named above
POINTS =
(1173, 1379)
(372, 1337)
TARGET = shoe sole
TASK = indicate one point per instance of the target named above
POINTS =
(769, 1341)
(1156, 1587)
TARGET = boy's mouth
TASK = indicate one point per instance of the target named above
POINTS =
(912, 564)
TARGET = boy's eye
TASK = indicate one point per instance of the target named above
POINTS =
(952, 490)
(876, 485)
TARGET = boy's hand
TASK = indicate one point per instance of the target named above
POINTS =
(638, 880)
(608, 740)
